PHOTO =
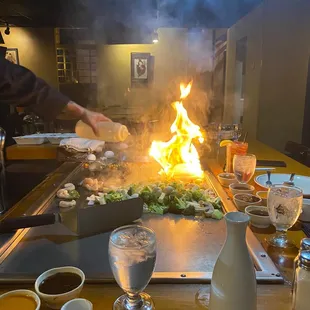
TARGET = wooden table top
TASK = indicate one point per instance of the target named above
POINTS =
(182, 296)
(31, 152)
(176, 296)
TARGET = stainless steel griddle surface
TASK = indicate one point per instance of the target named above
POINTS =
(184, 244)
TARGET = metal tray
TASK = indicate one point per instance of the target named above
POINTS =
(187, 248)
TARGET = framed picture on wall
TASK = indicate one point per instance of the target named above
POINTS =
(12, 55)
(141, 69)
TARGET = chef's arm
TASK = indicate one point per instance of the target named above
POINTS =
(20, 87)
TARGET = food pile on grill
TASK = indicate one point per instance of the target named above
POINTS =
(163, 197)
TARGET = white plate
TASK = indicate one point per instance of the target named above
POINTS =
(55, 138)
(300, 181)
(30, 139)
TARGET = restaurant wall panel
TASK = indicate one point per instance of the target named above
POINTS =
(172, 63)
(114, 76)
(277, 58)
(36, 50)
(286, 50)
(249, 27)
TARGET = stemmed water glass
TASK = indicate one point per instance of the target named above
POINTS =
(244, 167)
(284, 207)
(132, 256)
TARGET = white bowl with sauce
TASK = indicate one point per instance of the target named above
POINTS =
(243, 200)
(226, 178)
(20, 299)
(56, 301)
(239, 188)
(259, 216)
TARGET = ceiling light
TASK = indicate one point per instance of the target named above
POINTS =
(1, 39)
(155, 37)
(7, 30)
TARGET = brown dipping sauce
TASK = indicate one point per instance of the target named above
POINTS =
(60, 283)
(259, 212)
(241, 188)
(247, 198)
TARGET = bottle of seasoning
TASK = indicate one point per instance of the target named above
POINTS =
(301, 290)
(304, 246)
(108, 131)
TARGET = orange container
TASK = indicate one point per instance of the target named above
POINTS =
(235, 148)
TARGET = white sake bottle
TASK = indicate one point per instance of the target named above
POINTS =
(233, 284)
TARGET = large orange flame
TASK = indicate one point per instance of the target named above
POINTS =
(179, 157)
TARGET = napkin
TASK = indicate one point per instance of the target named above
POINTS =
(82, 145)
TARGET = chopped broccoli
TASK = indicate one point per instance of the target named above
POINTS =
(217, 203)
(180, 203)
(175, 197)
(187, 196)
(197, 195)
(113, 196)
(148, 197)
(158, 209)
(217, 215)
(74, 194)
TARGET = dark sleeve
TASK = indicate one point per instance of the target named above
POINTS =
(20, 87)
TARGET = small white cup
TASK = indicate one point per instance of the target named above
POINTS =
(78, 304)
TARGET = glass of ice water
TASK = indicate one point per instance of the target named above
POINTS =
(132, 256)
(244, 167)
(284, 207)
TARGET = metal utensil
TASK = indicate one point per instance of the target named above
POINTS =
(83, 220)
(264, 168)
(268, 182)
(291, 181)
(3, 191)
(2, 138)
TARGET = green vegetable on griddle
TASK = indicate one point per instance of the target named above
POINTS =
(113, 196)
(174, 197)
(74, 194)
(217, 215)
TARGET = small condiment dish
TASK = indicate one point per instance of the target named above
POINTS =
(259, 216)
(263, 196)
(58, 300)
(238, 188)
(226, 178)
(243, 200)
(24, 293)
(78, 304)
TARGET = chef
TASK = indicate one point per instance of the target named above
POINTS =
(20, 87)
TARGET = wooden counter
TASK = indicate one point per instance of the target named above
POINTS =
(30, 152)
(182, 296)
(177, 296)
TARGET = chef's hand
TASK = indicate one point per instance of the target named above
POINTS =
(89, 117)
(93, 118)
